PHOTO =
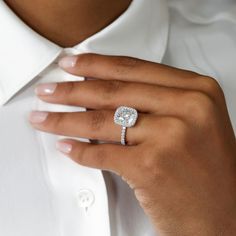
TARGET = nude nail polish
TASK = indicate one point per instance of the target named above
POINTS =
(46, 89)
(64, 147)
(68, 62)
(37, 117)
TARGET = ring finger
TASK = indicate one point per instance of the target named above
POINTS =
(95, 125)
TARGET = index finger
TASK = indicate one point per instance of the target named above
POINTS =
(126, 69)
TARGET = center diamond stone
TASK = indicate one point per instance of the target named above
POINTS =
(126, 116)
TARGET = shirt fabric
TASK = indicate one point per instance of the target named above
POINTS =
(41, 191)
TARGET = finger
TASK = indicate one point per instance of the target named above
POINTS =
(100, 94)
(110, 157)
(128, 69)
(95, 125)
(151, 99)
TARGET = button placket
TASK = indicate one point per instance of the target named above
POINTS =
(81, 193)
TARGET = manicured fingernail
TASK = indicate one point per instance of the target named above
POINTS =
(68, 62)
(37, 117)
(46, 89)
(64, 147)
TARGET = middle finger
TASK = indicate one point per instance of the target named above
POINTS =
(99, 94)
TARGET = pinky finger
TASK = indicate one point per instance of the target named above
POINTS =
(110, 157)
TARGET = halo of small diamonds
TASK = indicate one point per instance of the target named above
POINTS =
(125, 116)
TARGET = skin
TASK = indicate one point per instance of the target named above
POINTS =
(68, 22)
(180, 158)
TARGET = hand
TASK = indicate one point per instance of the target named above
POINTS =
(181, 155)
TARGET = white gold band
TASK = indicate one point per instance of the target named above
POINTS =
(123, 135)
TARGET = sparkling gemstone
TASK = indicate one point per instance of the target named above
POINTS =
(125, 116)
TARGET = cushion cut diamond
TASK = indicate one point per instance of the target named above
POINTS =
(126, 116)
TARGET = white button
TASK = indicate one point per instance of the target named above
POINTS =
(85, 198)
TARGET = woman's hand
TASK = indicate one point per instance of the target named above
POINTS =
(181, 155)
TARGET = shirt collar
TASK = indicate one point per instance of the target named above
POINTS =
(139, 32)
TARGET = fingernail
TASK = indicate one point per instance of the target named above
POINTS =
(68, 62)
(64, 147)
(46, 89)
(37, 117)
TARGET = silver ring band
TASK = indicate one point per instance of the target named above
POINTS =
(123, 135)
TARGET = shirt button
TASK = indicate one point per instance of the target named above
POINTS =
(85, 198)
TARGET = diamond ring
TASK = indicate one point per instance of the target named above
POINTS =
(125, 117)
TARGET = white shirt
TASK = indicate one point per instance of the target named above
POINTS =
(41, 191)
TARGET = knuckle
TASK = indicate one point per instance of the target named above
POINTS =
(212, 87)
(82, 155)
(85, 60)
(124, 64)
(57, 122)
(148, 159)
(110, 89)
(153, 167)
(198, 105)
(175, 134)
(91, 156)
(69, 89)
(127, 61)
(150, 165)
(174, 127)
(97, 120)
(100, 155)
(65, 92)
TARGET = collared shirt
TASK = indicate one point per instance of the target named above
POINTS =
(202, 38)
(41, 191)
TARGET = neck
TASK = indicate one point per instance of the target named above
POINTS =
(67, 23)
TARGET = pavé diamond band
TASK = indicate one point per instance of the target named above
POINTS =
(125, 117)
